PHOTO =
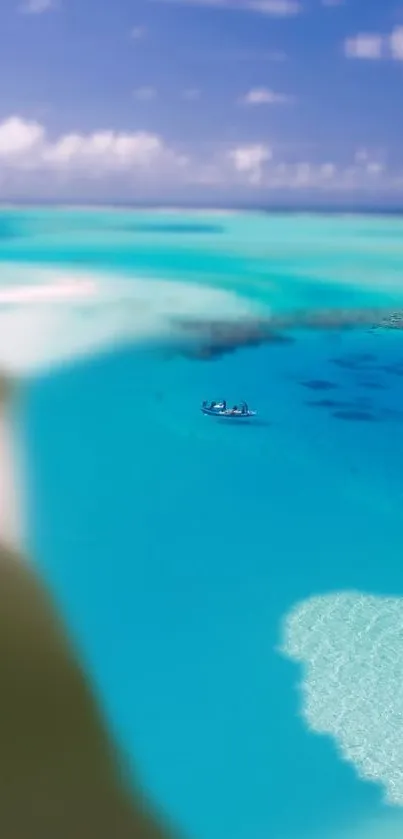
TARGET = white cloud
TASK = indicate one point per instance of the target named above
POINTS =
(145, 94)
(303, 174)
(264, 96)
(191, 94)
(249, 160)
(33, 163)
(361, 156)
(272, 8)
(372, 160)
(375, 168)
(396, 43)
(364, 45)
(376, 45)
(256, 164)
(25, 145)
(106, 147)
(328, 170)
(19, 138)
(37, 7)
(137, 33)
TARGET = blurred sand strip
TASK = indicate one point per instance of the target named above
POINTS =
(60, 775)
(11, 502)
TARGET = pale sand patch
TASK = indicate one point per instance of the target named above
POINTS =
(49, 317)
(350, 646)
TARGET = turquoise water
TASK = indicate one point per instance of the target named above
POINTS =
(176, 546)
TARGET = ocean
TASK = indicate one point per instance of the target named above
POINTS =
(234, 591)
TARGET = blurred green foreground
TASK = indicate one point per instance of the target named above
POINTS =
(60, 775)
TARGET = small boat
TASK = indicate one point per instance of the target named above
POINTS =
(219, 409)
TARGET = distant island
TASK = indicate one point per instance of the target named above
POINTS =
(178, 205)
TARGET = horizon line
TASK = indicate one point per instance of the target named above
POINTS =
(297, 209)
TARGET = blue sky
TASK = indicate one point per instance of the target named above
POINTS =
(239, 98)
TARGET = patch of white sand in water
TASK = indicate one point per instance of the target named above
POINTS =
(51, 316)
(350, 646)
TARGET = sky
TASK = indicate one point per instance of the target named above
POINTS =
(203, 101)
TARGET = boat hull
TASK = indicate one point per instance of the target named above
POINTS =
(211, 412)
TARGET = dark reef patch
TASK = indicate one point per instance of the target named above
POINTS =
(345, 363)
(355, 361)
(373, 385)
(328, 403)
(227, 340)
(363, 357)
(392, 414)
(395, 369)
(355, 416)
(204, 353)
(279, 338)
(211, 338)
(319, 384)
